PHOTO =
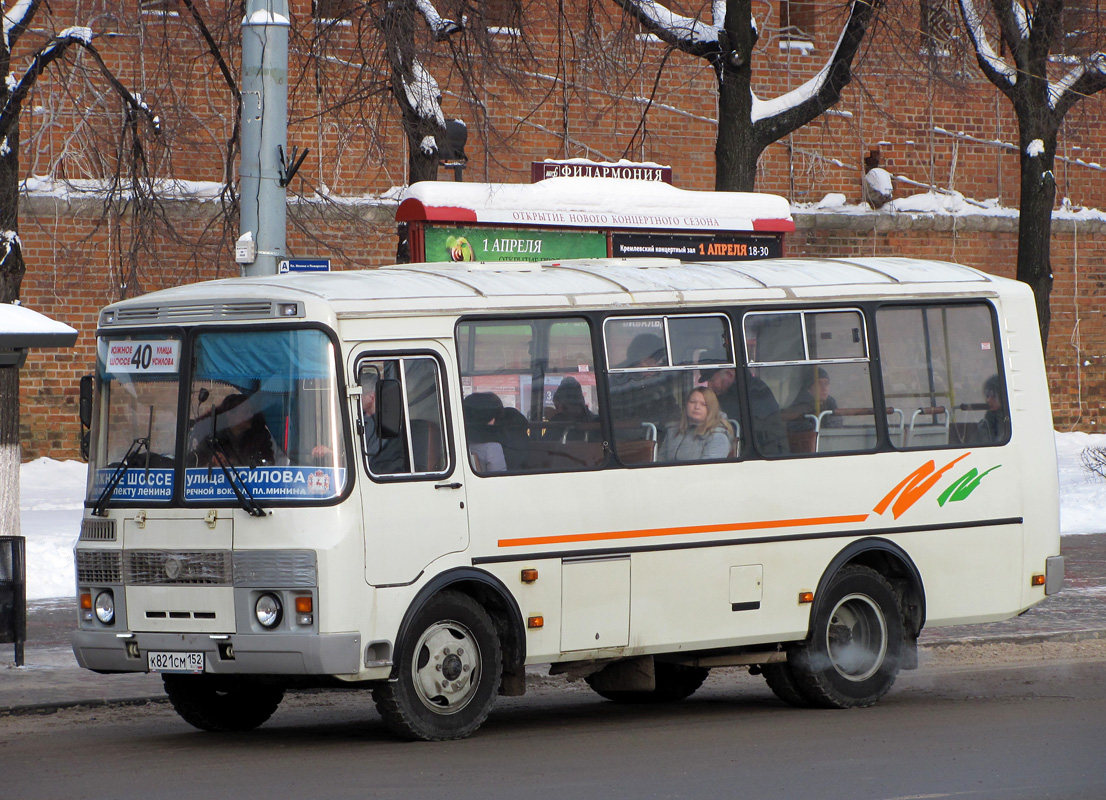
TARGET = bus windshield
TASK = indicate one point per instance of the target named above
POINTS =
(262, 418)
(139, 383)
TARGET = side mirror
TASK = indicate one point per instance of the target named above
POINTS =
(84, 411)
(389, 408)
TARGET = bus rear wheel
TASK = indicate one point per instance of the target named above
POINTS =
(448, 672)
(783, 683)
(220, 703)
(855, 648)
(673, 682)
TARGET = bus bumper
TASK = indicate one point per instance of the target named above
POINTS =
(1054, 574)
(231, 654)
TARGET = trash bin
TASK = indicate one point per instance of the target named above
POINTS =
(13, 594)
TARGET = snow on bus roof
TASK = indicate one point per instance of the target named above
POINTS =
(595, 203)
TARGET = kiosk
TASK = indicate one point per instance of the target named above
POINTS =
(570, 217)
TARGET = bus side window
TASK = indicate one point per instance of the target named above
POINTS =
(942, 375)
(529, 395)
(672, 383)
(815, 365)
(402, 416)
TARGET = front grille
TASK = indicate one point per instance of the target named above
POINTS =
(98, 530)
(99, 566)
(284, 568)
(247, 569)
(172, 568)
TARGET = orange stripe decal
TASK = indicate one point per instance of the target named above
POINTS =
(914, 486)
(682, 531)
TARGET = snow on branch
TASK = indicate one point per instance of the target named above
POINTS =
(9, 243)
(441, 28)
(52, 51)
(688, 34)
(998, 71)
(423, 95)
(797, 107)
(16, 19)
(1085, 79)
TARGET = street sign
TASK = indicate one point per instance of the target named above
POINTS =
(305, 265)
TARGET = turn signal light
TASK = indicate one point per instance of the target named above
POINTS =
(806, 597)
(535, 622)
(1037, 580)
(304, 605)
(86, 601)
(529, 575)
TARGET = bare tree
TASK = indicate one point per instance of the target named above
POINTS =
(747, 124)
(12, 266)
(415, 90)
(1031, 36)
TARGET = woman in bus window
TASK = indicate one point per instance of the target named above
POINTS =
(702, 433)
(481, 411)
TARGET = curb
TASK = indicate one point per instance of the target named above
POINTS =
(1016, 638)
(44, 709)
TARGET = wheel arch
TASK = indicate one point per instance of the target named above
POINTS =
(492, 595)
(891, 561)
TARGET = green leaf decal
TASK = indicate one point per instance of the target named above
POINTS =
(964, 485)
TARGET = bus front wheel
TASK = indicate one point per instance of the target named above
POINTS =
(855, 648)
(218, 703)
(448, 673)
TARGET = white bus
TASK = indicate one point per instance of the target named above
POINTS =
(423, 479)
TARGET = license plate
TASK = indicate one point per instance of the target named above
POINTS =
(175, 662)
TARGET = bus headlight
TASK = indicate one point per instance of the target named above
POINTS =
(105, 607)
(268, 610)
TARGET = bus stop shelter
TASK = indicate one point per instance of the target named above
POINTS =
(20, 330)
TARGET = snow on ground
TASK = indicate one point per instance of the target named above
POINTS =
(51, 494)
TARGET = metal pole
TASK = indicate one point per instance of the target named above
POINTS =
(261, 246)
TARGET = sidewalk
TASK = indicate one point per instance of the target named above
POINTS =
(51, 679)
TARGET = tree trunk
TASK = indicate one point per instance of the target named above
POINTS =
(11, 265)
(1038, 193)
(736, 149)
(10, 453)
(11, 277)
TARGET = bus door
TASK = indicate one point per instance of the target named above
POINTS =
(413, 503)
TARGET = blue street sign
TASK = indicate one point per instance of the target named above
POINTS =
(305, 265)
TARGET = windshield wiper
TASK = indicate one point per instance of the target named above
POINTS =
(237, 483)
(100, 509)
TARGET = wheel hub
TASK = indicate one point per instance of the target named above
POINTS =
(856, 638)
(446, 668)
(451, 667)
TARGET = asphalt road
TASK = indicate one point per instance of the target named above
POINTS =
(953, 729)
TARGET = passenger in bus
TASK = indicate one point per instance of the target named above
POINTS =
(571, 420)
(702, 433)
(767, 427)
(641, 399)
(513, 434)
(722, 381)
(241, 439)
(995, 425)
(481, 410)
(811, 401)
(769, 432)
(387, 454)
